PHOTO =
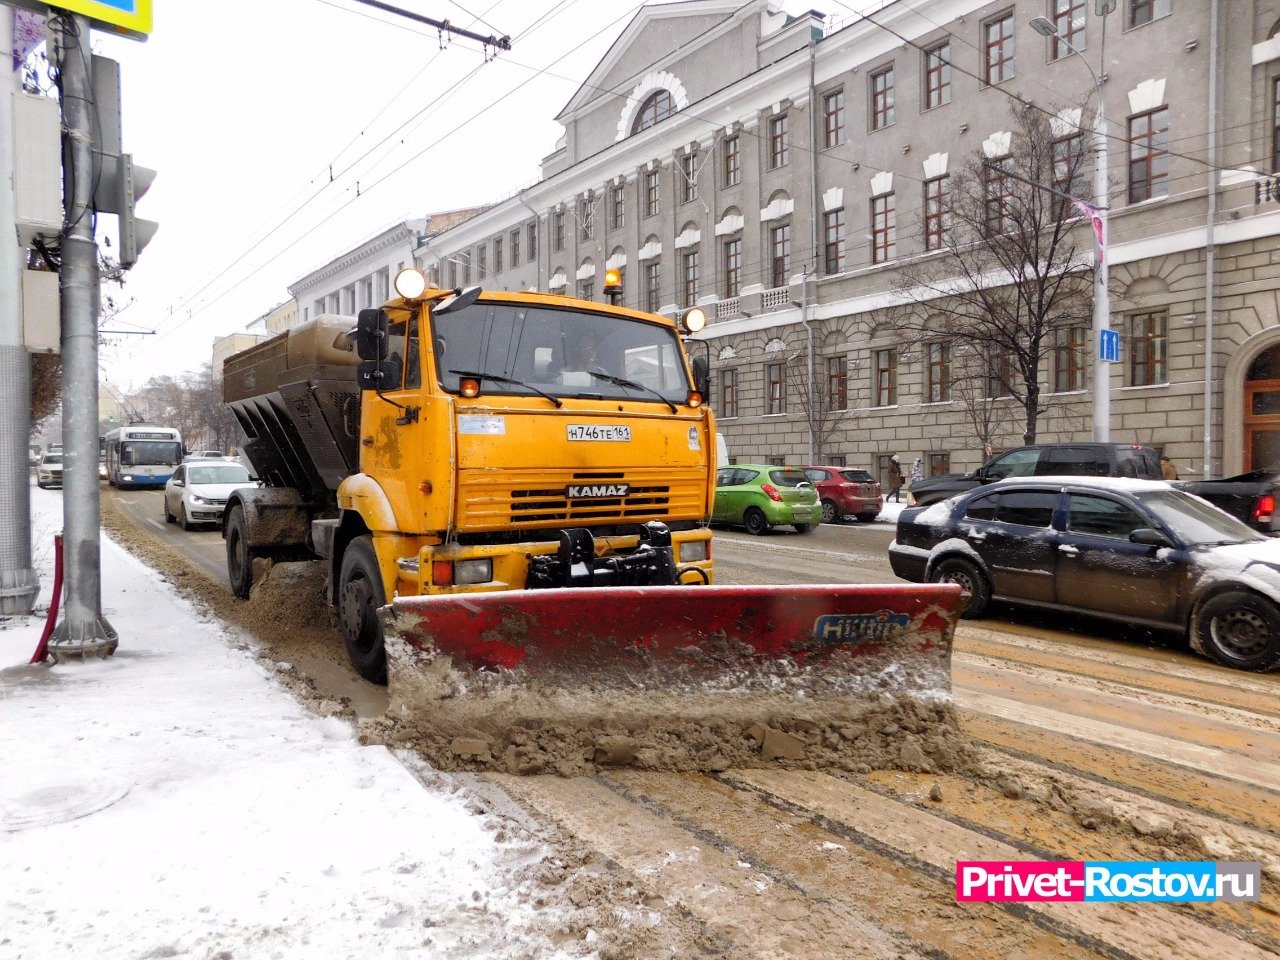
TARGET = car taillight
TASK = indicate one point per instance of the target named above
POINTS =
(771, 492)
(1264, 508)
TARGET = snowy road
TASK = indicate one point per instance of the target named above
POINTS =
(1092, 744)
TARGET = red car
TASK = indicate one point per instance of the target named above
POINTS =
(845, 493)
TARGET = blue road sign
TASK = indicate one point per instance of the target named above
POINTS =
(1109, 345)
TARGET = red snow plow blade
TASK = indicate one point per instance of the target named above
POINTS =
(684, 678)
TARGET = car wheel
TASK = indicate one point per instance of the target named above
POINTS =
(975, 592)
(183, 522)
(755, 522)
(168, 517)
(360, 594)
(239, 559)
(830, 512)
(804, 528)
(1240, 630)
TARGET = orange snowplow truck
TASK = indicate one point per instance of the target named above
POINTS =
(466, 442)
(510, 496)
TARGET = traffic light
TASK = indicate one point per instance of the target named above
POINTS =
(135, 233)
(120, 184)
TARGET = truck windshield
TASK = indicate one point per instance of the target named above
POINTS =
(137, 453)
(561, 352)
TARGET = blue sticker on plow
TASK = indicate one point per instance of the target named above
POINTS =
(859, 627)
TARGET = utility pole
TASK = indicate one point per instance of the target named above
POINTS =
(83, 631)
(18, 581)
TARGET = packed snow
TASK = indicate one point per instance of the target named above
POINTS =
(174, 800)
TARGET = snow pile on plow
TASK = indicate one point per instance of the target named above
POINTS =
(676, 678)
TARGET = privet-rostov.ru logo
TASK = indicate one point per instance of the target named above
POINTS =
(1188, 881)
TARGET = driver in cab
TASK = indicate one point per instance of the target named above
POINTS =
(582, 356)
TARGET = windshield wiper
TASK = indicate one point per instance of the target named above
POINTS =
(499, 379)
(632, 385)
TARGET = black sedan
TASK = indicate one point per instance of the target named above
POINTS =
(1137, 551)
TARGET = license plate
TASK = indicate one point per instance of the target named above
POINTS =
(583, 431)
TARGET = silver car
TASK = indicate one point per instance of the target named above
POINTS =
(49, 470)
(198, 491)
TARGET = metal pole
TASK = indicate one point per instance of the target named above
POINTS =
(83, 630)
(18, 581)
(1101, 271)
(1211, 217)
(813, 396)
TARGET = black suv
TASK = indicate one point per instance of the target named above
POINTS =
(1046, 460)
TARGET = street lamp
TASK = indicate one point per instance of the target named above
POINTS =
(1101, 270)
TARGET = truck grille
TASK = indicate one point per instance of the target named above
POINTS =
(489, 501)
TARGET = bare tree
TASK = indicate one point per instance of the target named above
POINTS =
(1014, 265)
(820, 400)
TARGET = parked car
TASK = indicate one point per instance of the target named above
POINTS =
(1136, 551)
(759, 496)
(1250, 497)
(198, 491)
(1045, 459)
(203, 455)
(33, 455)
(49, 470)
(845, 493)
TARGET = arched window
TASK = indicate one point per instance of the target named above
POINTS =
(655, 109)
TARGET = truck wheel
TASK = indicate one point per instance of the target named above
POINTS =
(830, 512)
(976, 594)
(755, 522)
(360, 594)
(1240, 630)
(239, 560)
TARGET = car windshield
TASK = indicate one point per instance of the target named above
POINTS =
(53, 458)
(856, 476)
(562, 352)
(221, 473)
(1194, 521)
(788, 478)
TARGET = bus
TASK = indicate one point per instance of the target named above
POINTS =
(142, 455)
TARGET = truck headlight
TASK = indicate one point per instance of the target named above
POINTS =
(694, 551)
(473, 571)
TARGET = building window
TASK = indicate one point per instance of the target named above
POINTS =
(533, 241)
(1069, 21)
(651, 194)
(938, 373)
(655, 109)
(732, 268)
(586, 218)
(780, 255)
(731, 153)
(1070, 357)
(886, 386)
(837, 460)
(557, 230)
(997, 191)
(652, 282)
(453, 278)
(775, 388)
(937, 199)
(587, 289)
(833, 240)
(1145, 11)
(999, 374)
(617, 213)
(833, 118)
(1068, 165)
(1148, 348)
(837, 383)
(466, 269)
(689, 277)
(1275, 126)
(884, 228)
(937, 75)
(497, 255)
(482, 263)
(688, 177)
(997, 46)
(939, 464)
(778, 144)
(728, 393)
(1148, 159)
(882, 98)
(515, 248)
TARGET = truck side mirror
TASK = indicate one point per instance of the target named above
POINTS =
(371, 335)
(702, 376)
(378, 375)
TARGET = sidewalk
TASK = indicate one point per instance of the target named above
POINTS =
(175, 801)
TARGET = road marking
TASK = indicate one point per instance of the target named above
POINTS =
(155, 523)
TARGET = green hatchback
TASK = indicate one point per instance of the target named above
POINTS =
(759, 496)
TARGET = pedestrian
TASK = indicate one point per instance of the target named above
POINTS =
(917, 471)
(1168, 469)
(895, 480)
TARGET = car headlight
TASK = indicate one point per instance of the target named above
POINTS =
(197, 499)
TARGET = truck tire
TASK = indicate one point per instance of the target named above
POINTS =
(239, 559)
(360, 594)
(971, 580)
(1240, 630)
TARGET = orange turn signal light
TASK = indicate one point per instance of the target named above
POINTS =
(469, 387)
(694, 399)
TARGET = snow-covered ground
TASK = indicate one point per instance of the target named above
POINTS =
(889, 511)
(174, 800)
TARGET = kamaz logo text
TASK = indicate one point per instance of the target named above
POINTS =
(580, 490)
(850, 627)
